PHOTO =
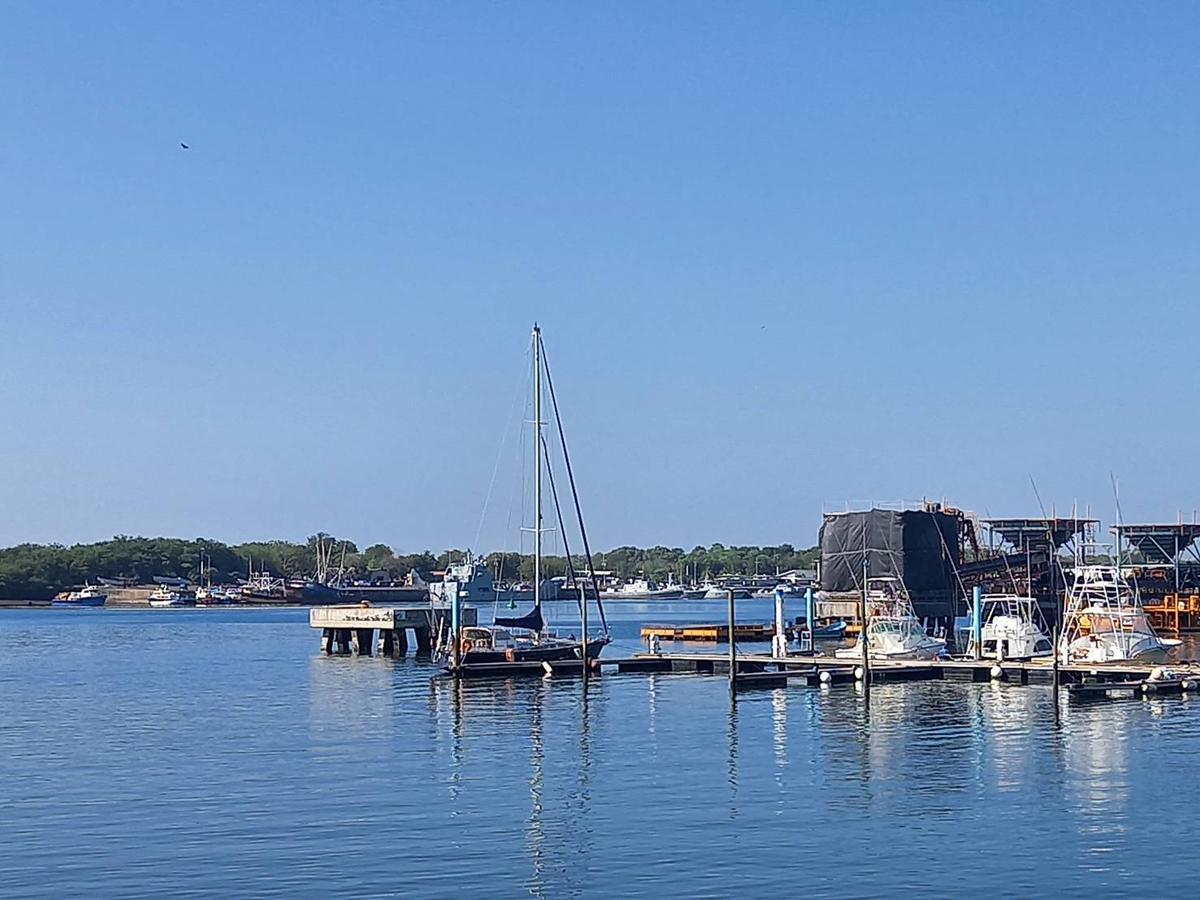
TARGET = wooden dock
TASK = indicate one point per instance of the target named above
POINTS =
(757, 671)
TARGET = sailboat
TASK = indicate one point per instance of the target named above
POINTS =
(1105, 622)
(893, 630)
(525, 638)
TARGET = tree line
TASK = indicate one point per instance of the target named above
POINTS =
(38, 571)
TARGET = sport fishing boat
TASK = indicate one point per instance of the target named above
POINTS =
(525, 638)
(88, 596)
(1105, 622)
(165, 596)
(1013, 628)
(893, 630)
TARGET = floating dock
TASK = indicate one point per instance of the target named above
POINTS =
(755, 671)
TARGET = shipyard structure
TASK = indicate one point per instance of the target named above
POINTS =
(941, 553)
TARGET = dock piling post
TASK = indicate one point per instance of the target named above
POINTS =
(977, 620)
(866, 655)
(732, 650)
(424, 641)
(365, 639)
(388, 639)
(455, 626)
(583, 627)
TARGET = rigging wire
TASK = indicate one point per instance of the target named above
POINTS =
(587, 550)
(580, 591)
(500, 453)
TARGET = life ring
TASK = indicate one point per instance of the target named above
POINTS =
(466, 645)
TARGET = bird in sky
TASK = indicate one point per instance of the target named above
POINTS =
(184, 146)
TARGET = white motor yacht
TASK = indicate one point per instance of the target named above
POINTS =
(893, 630)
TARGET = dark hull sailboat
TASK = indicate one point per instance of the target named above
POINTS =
(553, 650)
(524, 639)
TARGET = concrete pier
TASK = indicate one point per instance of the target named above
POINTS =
(352, 629)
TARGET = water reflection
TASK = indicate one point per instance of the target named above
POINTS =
(732, 767)
(643, 786)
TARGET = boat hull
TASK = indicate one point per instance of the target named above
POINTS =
(834, 630)
(550, 653)
(91, 602)
(1147, 649)
(931, 650)
(643, 595)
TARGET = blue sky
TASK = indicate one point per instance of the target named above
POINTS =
(783, 254)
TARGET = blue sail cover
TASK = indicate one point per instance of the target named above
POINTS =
(532, 620)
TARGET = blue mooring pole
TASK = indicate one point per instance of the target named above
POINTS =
(808, 619)
(977, 619)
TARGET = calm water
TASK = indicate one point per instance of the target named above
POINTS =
(206, 753)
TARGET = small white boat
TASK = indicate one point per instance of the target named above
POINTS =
(1105, 622)
(716, 592)
(166, 596)
(893, 629)
(1012, 628)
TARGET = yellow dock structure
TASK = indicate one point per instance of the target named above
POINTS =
(1174, 613)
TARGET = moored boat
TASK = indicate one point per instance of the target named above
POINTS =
(1105, 621)
(165, 596)
(525, 638)
(85, 597)
(893, 630)
(643, 589)
(1012, 628)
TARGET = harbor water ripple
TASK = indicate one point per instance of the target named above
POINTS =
(216, 753)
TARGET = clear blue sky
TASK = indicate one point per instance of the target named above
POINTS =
(782, 254)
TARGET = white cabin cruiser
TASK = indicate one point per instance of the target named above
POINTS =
(1013, 628)
(167, 596)
(1105, 622)
(893, 630)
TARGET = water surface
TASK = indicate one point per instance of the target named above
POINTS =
(216, 753)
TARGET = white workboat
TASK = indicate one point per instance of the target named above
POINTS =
(168, 596)
(1013, 628)
(1105, 622)
(643, 589)
(893, 630)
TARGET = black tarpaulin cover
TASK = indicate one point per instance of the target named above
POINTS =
(918, 547)
(532, 620)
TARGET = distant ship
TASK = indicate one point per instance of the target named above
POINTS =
(643, 589)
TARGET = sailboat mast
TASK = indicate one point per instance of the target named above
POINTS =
(537, 467)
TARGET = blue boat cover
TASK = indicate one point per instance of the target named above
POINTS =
(532, 620)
